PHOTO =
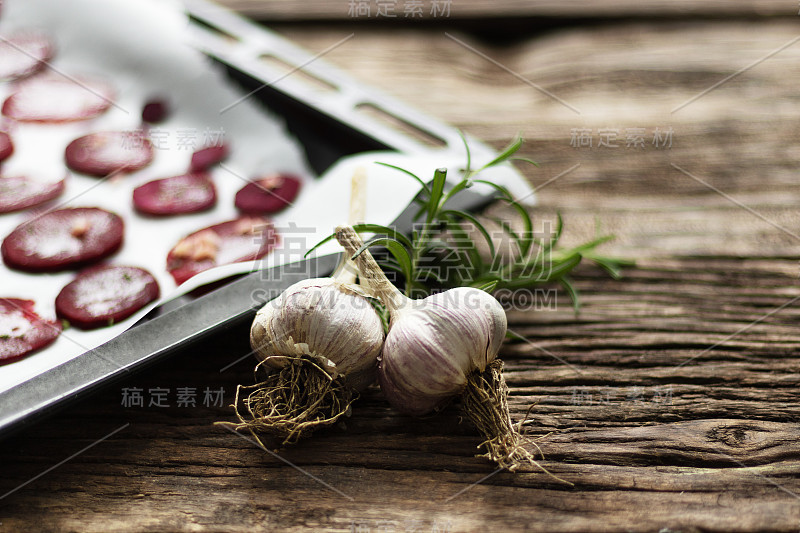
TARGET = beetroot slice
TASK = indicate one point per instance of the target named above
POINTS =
(63, 239)
(155, 111)
(109, 152)
(58, 100)
(209, 156)
(24, 54)
(268, 194)
(241, 239)
(176, 195)
(22, 331)
(6, 146)
(101, 296)
(22, 192)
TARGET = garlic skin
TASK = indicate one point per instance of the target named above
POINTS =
(330, 321)
(435, 343)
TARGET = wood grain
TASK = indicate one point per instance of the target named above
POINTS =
(726, 185)
(670, 402)
(274, 10)
(649, 444)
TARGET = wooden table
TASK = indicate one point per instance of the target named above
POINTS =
(671, 402)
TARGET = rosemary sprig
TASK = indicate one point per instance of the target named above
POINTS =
(443, 253)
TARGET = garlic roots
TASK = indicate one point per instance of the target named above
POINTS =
(441, 347)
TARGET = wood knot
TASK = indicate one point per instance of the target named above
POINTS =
(733, 436)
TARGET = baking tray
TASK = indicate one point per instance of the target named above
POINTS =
(330, 125)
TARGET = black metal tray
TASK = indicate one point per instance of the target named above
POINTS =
(329, 127)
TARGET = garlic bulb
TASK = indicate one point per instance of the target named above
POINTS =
(433, 344)
(323, 337)
(444, 346)
(325, 319)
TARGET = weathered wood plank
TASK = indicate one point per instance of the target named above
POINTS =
(733, 191)
(275, 10)
(710, 445)
(671, 400)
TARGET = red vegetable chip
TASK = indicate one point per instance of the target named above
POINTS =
(58, 100)
(176, 195)
(155, 111)
(22, 192)
(22, 331)
(209, 156)
(63, 239)
(242, 239)
(23, 55)
(268, 194)
(6, 146)
(101, 296)
(109, 152)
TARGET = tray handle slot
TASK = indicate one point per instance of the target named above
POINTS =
(401, 125)
(310, 79)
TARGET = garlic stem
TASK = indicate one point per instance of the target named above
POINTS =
(371, 274)
(346, 271)
(358, 197)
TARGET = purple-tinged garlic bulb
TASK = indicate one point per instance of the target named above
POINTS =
(435, 344)
(442, 347)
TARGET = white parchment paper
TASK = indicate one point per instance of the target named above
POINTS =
(140, 48)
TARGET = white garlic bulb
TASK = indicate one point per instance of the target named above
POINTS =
(325, 319)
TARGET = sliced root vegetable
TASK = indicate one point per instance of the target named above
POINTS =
(209, 156)
(109, 152)
(101, 296)
(6, 146)
(22, 192)
(268, 194)
(176, 195)
(63, 239)
(56, 100)
(242, 239)
(24, 54)
(155, 111)
(22, 331)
